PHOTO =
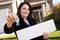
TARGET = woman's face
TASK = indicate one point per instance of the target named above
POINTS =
(25, 11)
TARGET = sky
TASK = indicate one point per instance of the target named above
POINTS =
(56, 1)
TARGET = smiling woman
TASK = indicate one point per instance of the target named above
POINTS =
(24, 14)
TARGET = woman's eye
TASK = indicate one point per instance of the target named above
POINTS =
(24, 8)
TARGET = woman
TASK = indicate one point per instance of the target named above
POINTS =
(25, 20)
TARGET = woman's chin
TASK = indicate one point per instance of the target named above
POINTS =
(25, 15)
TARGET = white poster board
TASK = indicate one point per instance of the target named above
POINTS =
(36, 30)
(3, 14)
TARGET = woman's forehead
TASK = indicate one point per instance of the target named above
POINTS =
(25, 6)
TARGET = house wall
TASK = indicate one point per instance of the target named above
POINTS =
(5, 8)
(32, 0)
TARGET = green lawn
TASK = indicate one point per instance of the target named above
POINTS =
(55, 34)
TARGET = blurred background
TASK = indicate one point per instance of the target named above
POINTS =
(43, 10)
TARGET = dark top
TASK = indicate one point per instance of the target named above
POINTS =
(22, 25)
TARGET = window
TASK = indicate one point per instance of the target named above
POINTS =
(37, 15)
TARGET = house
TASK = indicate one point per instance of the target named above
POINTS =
(7, 6)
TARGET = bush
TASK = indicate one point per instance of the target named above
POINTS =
(55, 15)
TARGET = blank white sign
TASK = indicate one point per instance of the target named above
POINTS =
(36, 30)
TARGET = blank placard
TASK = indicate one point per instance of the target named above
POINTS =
(36, 30)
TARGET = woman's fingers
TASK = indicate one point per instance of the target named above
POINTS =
(45, 35)
(8, 19)
(9, 22)
(12, 17)
(15, 17)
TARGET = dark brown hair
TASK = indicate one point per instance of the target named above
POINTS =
(19, 9)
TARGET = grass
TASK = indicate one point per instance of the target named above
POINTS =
(6, 36)
(55, 34)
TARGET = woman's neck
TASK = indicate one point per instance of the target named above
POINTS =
(25, 18)
(26, 21)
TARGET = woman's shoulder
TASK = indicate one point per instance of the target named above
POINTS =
(32, 20)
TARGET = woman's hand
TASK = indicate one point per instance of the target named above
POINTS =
(11, 18)
(45, 35)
